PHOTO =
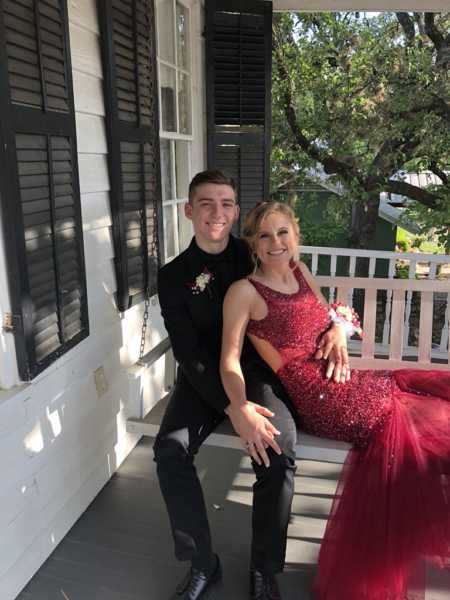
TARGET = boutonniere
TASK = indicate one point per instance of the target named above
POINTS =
(201, 282)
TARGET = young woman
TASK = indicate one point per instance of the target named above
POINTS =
(392, 509)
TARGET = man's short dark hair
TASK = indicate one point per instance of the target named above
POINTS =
(210, 176)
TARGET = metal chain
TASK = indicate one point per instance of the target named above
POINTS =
(153, 252)
(144, 324)
(155, 242)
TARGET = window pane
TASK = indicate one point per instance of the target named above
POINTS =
(185, 231)
(169, 231)
(168, 120)
(166, 170)
(184, 103)
(166, 37)
(182, 168)
(182, 37)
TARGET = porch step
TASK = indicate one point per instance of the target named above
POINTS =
(308, 446)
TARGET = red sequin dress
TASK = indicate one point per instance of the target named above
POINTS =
(392, 508)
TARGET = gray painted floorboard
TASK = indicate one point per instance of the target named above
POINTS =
(120, 548)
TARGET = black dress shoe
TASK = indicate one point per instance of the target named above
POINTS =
(197, 583)
(263, 586)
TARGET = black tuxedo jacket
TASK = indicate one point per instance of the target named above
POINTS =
(194, 320)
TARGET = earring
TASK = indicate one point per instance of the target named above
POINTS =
(255, 260)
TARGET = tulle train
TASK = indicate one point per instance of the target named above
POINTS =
(392, 509)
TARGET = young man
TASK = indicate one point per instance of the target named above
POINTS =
(191, 291)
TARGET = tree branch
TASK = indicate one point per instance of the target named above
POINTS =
(441, 43)
(439, 172)
(330, 164)
(411, 191)
(283, 183)
(391, 156)
(418, 18)
(407, 24)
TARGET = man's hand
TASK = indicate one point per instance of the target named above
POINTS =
(333, 346)
(251, 423)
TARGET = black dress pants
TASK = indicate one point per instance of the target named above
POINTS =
(186, 424)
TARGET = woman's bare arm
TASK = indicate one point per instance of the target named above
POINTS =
(250, 420)
(333, 343)
(236, 314)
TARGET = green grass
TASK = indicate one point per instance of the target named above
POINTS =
(417, 241)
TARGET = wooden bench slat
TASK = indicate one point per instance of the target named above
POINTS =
(308, 446)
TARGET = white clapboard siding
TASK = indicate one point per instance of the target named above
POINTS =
(88, 93)
(93, 173)
(45, 509)
(12, 414)
(84, 14)
(9, 375)
(13, 501)
(40, 547)
(57, 482)
(103, 313)
(98, 243)
(60, 440)
(91, 134)
(60, 462)
(85, 51)
(95, 210)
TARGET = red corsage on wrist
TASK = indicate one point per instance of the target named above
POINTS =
(344, 315)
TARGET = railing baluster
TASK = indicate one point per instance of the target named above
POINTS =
(444, 334)
(352, 269)
(370, 315)
(314, 262)
(342, 294)
(425, 327)
(387, 311)
(395, 346)
(411, 275)
(332, 274)
(397, 325)
(372, 264)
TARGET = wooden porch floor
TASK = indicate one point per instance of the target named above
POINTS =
(120, 548)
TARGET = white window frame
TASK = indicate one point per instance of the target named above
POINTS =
(174, 136)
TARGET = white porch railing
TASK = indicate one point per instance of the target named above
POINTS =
(392, 356)
(364, 355)
(415, 265)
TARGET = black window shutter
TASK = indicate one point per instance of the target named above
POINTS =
(39, 186)
(238, 84)
(131, 92)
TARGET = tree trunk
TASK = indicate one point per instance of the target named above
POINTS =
(364, 221)
(292, 199)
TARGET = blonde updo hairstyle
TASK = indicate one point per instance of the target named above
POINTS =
(256, 217)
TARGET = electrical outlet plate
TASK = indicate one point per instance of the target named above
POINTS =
(101, 383)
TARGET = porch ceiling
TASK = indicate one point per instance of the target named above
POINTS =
(362, 5)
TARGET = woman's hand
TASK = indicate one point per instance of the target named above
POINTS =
(333, 346)
(251, 423)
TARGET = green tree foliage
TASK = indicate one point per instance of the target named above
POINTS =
(365, 99)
